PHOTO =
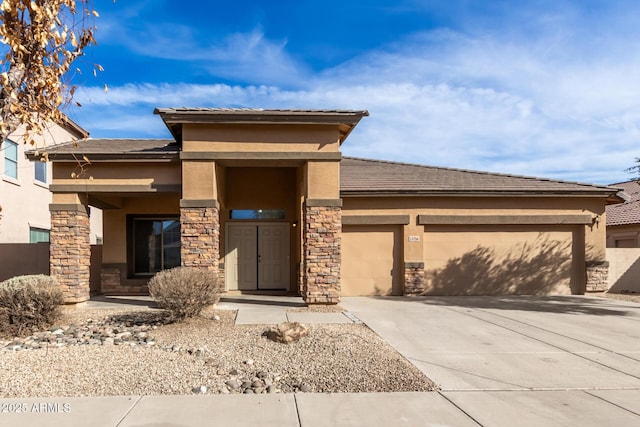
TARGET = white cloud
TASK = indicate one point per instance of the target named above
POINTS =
(543, 106)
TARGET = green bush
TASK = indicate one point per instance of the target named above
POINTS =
(184, 291)
(29, 302)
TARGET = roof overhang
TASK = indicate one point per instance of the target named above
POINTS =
(175, 118)
(611, 197)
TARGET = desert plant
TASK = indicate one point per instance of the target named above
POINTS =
(184, 291)
(29, 302)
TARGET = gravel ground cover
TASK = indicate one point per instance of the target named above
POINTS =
(134, 352)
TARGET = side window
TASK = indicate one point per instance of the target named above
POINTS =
(11, 159)
(41, 171)
(37, 235)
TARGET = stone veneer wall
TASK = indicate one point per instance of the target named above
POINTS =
(70, 251)
(597, 276)
(200, 237)
(114, 281)
(413, 278)
(322, 254)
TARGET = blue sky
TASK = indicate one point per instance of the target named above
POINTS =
(543, 88)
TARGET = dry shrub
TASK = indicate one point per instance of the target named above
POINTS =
(184, 291)
(29, 302)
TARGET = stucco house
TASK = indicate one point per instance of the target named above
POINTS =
(266, 198)
(24, 186)
(623, 220)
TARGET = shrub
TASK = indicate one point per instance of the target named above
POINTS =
(29, 302)
(184, 291)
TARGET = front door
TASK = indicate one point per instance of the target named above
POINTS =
(257, 256)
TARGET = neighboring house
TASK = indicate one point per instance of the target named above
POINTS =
(265, 198)
(623, 240)
(24, 187)
(623, 220)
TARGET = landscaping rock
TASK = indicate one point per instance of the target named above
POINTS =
(287, 332)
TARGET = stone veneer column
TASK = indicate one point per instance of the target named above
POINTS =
(200, 233)
(322, 251)
(413, 278)
(70, 250)
(597, 276)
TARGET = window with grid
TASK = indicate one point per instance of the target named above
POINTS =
(37, 235)
(11, 159)
(41, 171)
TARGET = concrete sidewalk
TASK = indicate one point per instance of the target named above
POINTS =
(501, 361)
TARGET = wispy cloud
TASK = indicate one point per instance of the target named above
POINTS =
(561, 102)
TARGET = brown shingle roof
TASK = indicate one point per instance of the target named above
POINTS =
(358, 176)
(628, 212)
(114, 149)
(362, 176)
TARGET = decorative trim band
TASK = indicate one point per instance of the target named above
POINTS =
(259, 155)
(414, 265)
(204, 203)
(73, 207)
(117, 188)
(375, 219)
(327, 203)
(504, 219)
(597, 263)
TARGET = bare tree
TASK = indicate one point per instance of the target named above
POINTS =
(41, 40)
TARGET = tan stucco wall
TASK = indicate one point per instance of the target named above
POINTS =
(371, 258)
(437, 245)
(491, 206)
(624, 269)
(115, 223)
(323, 180)
(260, 138)
(114, 173)
(25, 201)
(199, 180)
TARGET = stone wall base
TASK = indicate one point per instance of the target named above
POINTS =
(70, 251)
(322, 254)
(114, 281)
(413, 278)
(200, 235)
(597, 276)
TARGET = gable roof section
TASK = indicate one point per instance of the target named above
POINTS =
(377, 177)
(629, 211)
(114, 150)
(174, 118)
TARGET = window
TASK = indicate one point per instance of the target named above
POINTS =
(41, 171)
(156, 245)
(253, 214)
(11, 159)
(37, 235)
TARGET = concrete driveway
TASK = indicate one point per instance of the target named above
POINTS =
(538, 360)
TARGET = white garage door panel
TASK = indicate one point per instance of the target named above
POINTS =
(503, 261)
(370, 256)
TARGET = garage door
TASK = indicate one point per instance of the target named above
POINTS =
(500, 260)
(370, 260)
